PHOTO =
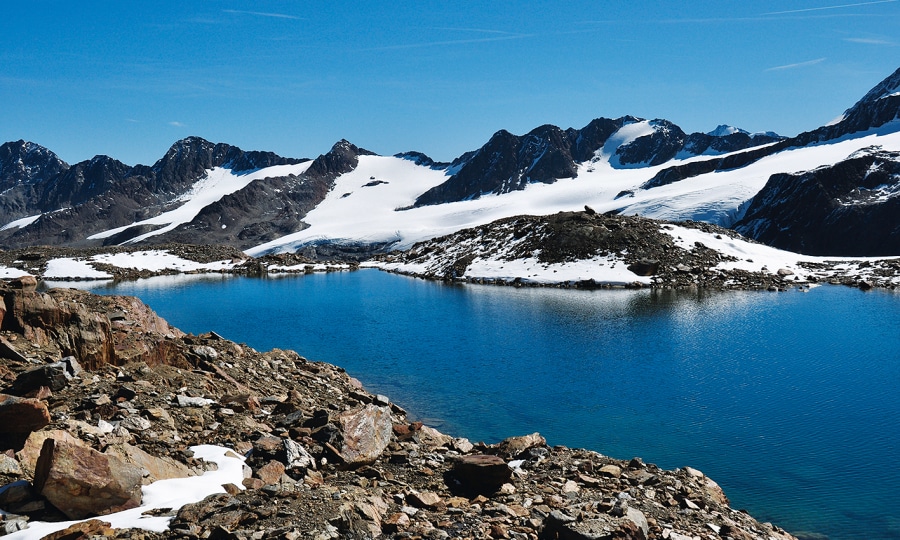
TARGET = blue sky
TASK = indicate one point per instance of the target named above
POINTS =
(128, 79)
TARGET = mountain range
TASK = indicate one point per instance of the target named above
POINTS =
(834, 190)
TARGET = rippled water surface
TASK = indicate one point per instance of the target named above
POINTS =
(788, 400)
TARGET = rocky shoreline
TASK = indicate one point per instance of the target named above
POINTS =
(103, 379)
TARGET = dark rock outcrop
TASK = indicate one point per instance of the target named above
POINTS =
(509, 162)
(851, 208)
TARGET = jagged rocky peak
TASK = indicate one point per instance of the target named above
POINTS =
(661, 145)
(189, 158)
(342, 158)
(83, 181)
(878, 107)
(724, 130)
(23, 162)
(416, 157)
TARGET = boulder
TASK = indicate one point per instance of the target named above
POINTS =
(55, 376)
(92, 528)
(271, 472)
(24, 283)
(31, 450)
(296, 456)
(152, 468)
(22, 415)
(82, 482)
(599, 527)
(644, 267)
(366, 433)
(481, 473)
(513, 447)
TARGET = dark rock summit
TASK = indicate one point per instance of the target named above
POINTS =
(24, 162)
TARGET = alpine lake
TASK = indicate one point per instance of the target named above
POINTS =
(790, 400)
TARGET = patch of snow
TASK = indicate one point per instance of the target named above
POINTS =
(69, 268)
(606, 270)
(21, 222)
(173, 494)
(217, 183)
(157, 260)
(725, 130)
(11, 273)
(371, 215)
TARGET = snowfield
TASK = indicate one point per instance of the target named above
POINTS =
(352, 213)
(164, 494)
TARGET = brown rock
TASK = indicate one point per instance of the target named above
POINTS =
(611, 471)
(22, 415)
(253, 483)
(395, 523)
(512, 447)
(24, 283)
(82, 482)
(271, 472)
(481, 473)
(153, 468)
(30, 452)
(83, 531)
(366, 433)
(241, 402)
(426, 499)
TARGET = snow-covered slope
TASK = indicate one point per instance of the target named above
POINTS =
(217, 183)
(380, 214)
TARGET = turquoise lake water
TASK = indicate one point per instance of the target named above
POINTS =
(788, 400)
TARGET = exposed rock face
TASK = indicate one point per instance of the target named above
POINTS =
(658, 147)
(103, 193)
(268, 208)
(879, 106)
(23, 167)
(851, 208)
(76, 323)
(82, 482)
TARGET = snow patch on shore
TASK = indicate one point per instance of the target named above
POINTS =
(163, 494)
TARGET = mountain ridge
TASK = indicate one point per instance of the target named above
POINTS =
(258, 200)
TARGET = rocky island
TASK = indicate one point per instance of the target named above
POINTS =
(101, 396)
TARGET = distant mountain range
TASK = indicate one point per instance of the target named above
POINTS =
(834, 190)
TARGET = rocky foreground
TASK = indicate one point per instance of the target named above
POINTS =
(100, 395)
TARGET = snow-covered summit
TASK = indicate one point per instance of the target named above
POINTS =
(724, 130)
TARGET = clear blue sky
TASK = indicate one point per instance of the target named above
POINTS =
(128, 79)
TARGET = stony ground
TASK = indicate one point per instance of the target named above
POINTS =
(326, 459)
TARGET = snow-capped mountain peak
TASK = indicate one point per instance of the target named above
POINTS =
(724, 130)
